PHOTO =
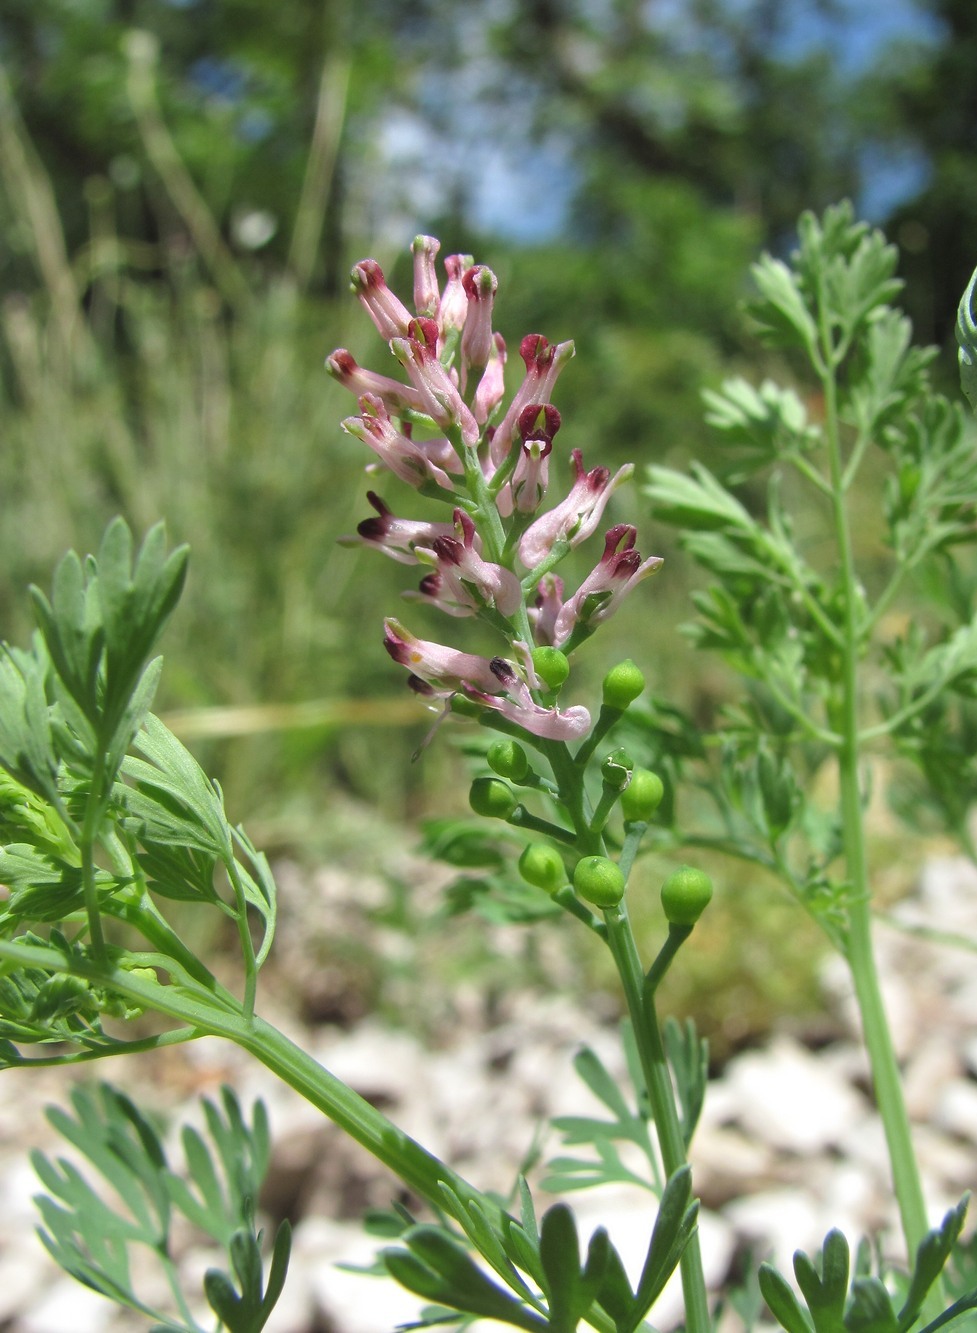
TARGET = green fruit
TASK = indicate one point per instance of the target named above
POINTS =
(551, 666)
(642, 796)
(542, 866)
(492, 798)
(599, 880)
(508, 759)
(685, 895)
(622, 685)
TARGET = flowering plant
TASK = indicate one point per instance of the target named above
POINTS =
(107, 819)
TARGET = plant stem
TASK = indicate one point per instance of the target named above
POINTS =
(860, 952)
(88, 835)
(658, 1081)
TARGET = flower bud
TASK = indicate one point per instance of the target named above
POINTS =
(616, 769)
(685, 895)
(542, 866)
(551, 666)
(642, 796)
(508, 759)
(599, 880)
(622, 685)
(492, 798)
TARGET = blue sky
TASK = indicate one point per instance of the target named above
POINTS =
(543, 177)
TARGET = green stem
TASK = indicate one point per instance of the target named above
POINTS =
(568, 773)
(609, 798)
(247, 944)
(658, 1081)
(94, 809)
(606, 719)
(523, 818)
(860, 952)
(676, 937)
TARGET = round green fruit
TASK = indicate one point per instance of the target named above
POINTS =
(622, 685)
(542, 866)
(599, 880)
(508, 759)
(492, 798)
(642, 796)
(551, 666)
(685, 895)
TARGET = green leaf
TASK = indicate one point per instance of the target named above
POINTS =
(688, 1056)
(504, 1250)
(931, 1257)
(178, 801)
(91, 1237)
(27, 746)
(436, 1267)
(781, 311)
(826, 1292)
(761, 424)
(590, 1070)
(674, 1227)
(698, 500)
(966, 332)
(135, 601)
(783, 1304)
(870, 1308)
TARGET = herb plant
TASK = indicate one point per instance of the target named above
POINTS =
(107, 820)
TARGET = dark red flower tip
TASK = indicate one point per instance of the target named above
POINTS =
(424, 332)
(538, 421)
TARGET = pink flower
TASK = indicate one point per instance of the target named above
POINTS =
(549, 603)
(543, 362)
(418, 354)
(399, 398)
(520, 707)
(537, 426)
(447, 669)
(387, 311)
(619, 570)
(427, 295)
(480, 285)
(577, 516)
(396, 537)
(462, 582)
(495, 683)
(454, 302)
(491, 387)
(413, 461)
